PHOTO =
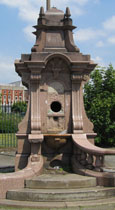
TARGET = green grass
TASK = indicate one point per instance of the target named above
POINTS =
(16, 208)
(8, 140)
(31, 208)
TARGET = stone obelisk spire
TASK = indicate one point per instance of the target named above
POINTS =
(48, 4)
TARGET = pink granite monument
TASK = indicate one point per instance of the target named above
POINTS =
(56, 126)
(55, 130)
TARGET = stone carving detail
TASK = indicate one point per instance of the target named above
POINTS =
(54, 73)
(26, 79)
(86, 77)
(56, 87)
(77, 77)
(35, 76)
(80, 77)
(56, 65)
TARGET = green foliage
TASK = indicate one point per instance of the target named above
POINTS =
(20, 107)
(99, 99)
(9, 122)
(8, 140)
(0, 103)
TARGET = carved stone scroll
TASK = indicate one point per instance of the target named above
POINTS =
(35, 103)
(76, 104)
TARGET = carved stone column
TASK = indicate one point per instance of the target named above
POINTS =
(35, 102)
(77, 103)
(35, 138)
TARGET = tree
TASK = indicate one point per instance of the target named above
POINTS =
(99, 99)
(19, 106)
(0, 103)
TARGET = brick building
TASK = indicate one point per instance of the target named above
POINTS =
(13, 92)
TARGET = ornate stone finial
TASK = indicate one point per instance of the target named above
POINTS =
(48, 4)
(67, 13)
(42, 12)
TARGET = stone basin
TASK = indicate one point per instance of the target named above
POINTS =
(56, 142)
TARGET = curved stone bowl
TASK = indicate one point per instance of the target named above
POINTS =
(55, 142)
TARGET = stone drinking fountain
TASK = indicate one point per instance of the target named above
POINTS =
(54, 74)
(56, 127)
(55, 130)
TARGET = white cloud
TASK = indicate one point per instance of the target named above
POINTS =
(29, 14)
(68, 3)
(84, 2)
(100, 44)
(99, 61)
(110, 23)
(7, 70)
(77, 11)
(88, 34)
(13, 3)
(29, 9)
(28, 33)
(96, 1)
(111, 40)
(4, 66)
(81, 2)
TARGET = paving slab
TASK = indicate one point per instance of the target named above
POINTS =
(101, 204)
(56, 195)
(7, 158)
(60, 181)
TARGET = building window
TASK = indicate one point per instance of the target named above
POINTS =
(4, 91)
(9, 92)
(20, 98)
(9, 99)
(4, 99)
(16, 98)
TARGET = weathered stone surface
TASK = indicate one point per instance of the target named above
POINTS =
(55, 73)
(101, 204)
(38, 195)
(60, 181)
(16, 180)
(55, 124)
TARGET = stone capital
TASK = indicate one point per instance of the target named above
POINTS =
(35, 76)
(77, 77)
(35, 138)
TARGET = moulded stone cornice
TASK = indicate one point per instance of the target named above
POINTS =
(22, 70)
(35, 66)
(57, 27)
(58, 55)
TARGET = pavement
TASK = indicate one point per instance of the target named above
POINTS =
(7, 158)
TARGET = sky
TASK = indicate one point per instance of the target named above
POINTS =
(94, 35)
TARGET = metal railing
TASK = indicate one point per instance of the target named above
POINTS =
(9, 121)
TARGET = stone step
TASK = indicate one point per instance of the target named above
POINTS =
(43, 195)
(60, 181)
(101, 204)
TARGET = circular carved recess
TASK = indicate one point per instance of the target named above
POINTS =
(55, 106)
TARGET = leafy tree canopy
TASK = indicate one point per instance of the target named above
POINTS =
(99, 99)
(0, 103)
(19, 106)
